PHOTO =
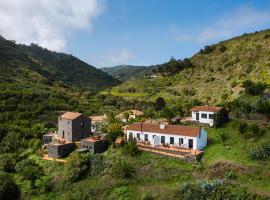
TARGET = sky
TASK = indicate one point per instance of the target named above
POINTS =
(106, 33)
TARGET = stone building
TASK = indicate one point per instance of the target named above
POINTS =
(60, 150)
(94, 145)
(72, 126)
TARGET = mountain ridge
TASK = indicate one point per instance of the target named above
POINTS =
(50, 66)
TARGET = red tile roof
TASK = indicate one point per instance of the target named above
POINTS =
(207, 108)
(70, 115)
(169, 129)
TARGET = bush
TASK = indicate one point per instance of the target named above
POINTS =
(255, 129)
(243, 127)
(230, 175)
(254, 88)
(216, 189)
(8, 162)
(80, 165)
(261, 152)
(224, 136)
(131, 148)
(29, 170)
(122, 169)
(8, 188)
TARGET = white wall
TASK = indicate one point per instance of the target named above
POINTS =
(167, 138)
(203, 120)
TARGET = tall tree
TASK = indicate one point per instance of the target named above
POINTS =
(168, 114)
(160, 104)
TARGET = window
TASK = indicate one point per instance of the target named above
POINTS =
(146, 137)
(138, 136)
(130, 135)
(163, 139)
(171, 140)
(82, 123)
(211, 116)
(154, 136)
(204, 116)
(181, 141)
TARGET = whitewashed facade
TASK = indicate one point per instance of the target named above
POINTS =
(204, 117)
(181, 140)
(205, 114)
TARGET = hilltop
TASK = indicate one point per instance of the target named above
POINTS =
(28, 64)
(216, 73)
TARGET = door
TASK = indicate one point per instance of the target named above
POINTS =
(197, 116)
(190, 143)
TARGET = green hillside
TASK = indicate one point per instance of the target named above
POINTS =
(216, 72)
(32, 63)
(126, 72)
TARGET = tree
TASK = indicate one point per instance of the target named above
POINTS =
(254, 88)
(245, 107)
(8, 188)
(29, 170)
(114, 131)
(167, 113)
(112, 118)
(160, 104)
(122, 169)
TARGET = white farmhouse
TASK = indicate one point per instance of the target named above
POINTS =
(205, 114)
(172, 135)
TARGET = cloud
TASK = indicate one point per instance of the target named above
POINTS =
(46, 22)
(243, 19)
(115, 57)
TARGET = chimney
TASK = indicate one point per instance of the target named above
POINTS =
(162, 126)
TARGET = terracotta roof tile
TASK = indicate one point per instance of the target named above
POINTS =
(169, 129)
(71, 115)
(207, 108)
(98, 118)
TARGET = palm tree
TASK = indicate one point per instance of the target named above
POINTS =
(112, 118)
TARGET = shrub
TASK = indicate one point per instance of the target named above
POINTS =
(8, 162)
(216, 189)
(122, 169)
(29, 170)
(255, 129)
(224, 136)
(82, 164)
(230, 175)
(243, 127)
(254, 88)
(130, 147)
(261, 152)
(8, 188)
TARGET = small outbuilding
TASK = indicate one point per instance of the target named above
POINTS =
(94, 145)
(206, 114)
(60, 150)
